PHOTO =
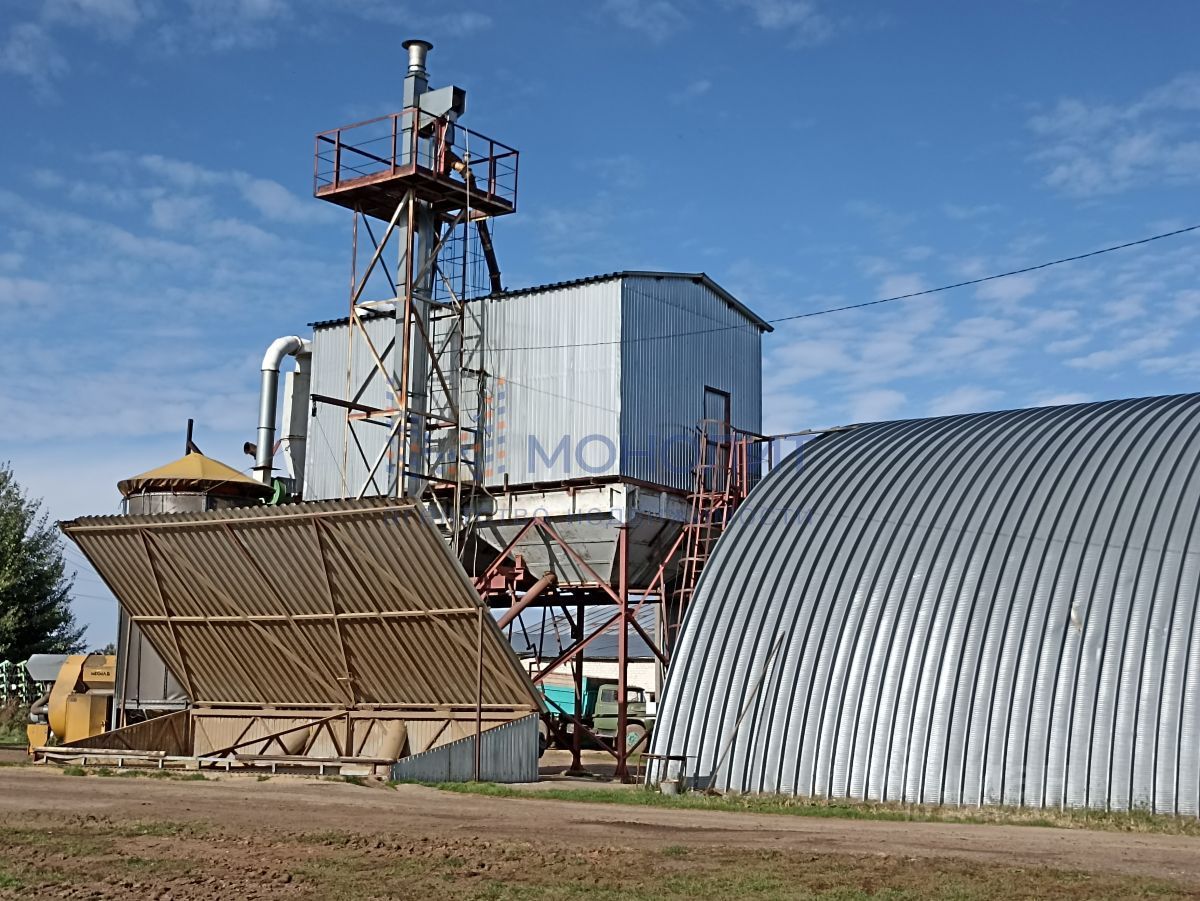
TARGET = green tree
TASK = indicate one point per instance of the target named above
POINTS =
(35, 589)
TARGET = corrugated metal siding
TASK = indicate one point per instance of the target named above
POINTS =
(335, 464)
(338, 603)
(544, 393)
(579, 384)
(984, 609)
(663, 380)
(143, 680)
(507, 753)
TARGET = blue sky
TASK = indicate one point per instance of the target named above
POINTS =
(157, 230)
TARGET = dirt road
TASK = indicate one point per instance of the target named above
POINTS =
(284, 810)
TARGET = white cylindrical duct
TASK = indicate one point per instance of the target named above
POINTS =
(290, 345)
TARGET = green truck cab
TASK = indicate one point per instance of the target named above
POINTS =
(600, 709)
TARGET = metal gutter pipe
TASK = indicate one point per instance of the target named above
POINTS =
(289, 346)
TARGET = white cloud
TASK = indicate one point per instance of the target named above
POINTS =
(875, 405)
(1068, 345)
(157, 319)
(692, 90)
(1061, 399)
(31, 49)
(1136, 347)
(456, 22)
(1058, 332)
(802, 19)
(1092, 149)
(277, 203)
(1007, 290)
(30, 52)
(655, 19)
(1125, 309)
(901, 284)
(114, 19)
(965, 399)
(24, 297)
(789, 411)
(176, 212)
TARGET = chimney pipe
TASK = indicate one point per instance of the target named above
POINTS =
(417, 49)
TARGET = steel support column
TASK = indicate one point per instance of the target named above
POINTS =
(622, 770)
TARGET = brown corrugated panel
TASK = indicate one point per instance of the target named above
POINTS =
(325, 604)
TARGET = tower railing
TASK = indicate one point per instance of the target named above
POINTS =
(414, 145)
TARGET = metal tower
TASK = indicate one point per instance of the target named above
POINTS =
(435, 184)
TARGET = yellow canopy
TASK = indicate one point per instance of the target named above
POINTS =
(194, 472)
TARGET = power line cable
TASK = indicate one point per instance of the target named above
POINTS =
(869, 303)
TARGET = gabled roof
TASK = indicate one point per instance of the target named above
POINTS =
(697, 277)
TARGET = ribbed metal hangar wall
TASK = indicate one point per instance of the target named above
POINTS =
(997, 608)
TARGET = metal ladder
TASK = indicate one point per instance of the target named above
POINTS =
(722, 477)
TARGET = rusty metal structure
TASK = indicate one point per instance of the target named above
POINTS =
(728, 464)
(434, 184)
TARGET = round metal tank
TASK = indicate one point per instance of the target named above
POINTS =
(192, 484)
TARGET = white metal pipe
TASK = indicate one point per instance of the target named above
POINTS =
(288, 346)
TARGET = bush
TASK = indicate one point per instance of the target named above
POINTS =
(13, 718)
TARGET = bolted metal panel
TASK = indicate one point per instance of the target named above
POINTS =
(507, 753)
(998, 608)
(712, 344)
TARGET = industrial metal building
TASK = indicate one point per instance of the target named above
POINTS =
(997, 608)
(596, 385)
(592, 379)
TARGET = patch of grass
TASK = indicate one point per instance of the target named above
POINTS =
(1109, 821)
(145, 774)
(355, 780)
(74, 771)
(14, 717)
(7, 880)
(500, 868)
(190, 777)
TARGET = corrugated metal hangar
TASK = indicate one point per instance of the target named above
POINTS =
(996, 608)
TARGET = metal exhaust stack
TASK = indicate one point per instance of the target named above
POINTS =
(417, 51)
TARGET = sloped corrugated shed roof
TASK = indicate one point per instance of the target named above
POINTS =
(983, 609)
(336, 603)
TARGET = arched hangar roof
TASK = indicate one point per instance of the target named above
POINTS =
(981, 609)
